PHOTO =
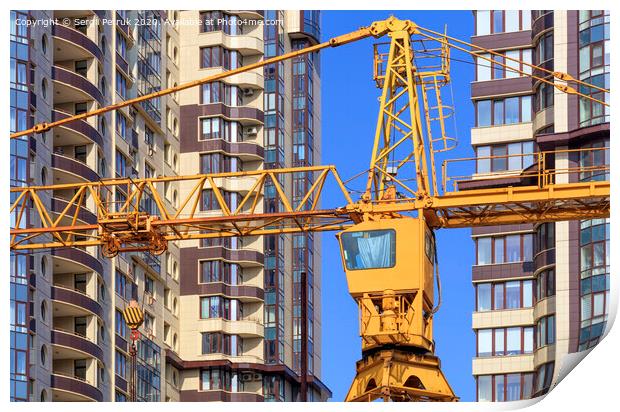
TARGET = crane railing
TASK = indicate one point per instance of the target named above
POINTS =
(521, 169)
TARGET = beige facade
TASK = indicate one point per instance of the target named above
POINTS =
(533, 288)
(76, 338)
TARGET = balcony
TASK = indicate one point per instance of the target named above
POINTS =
(71, 44)
(123, 25)
(71, 302)
(84, 215)
(78, 132)
(544, 259)
(246, 116)
(503, 364)
(245, 257)
(245, 44)
(68, 170)
(239, 292)
(70, 345)
(71, 389)
(70, 87)
(542, 23)
(220, 396)
(245, 151)
(250, 14)
(75, 261)
(246, 328)
(149, 260)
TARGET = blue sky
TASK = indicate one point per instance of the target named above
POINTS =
(349, 114)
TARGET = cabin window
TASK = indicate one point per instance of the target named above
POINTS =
(375, 249)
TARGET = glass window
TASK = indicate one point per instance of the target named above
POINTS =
(498, 21)
(551, 330)
(483, 165)
(484, 250)
(498, 244)
(526, 58)
(484, 296)
(499, 161)
(513, 295)
(498, 68)
(526, 108)
(483, 22)
(513, 64)
(485, 342)
(373, 249)
(512, 20)
(484, 113)
(527, 247)
(527, 293)
(499, 342)
(598, 304)
(498, 296)
(528, 340)
(526, 20)
(528, 154)
(513, 346)
(513, 248)
(513, 386)
(499, 388)
(484, 67)
(512, 110)
(514, 156)
(498, 112)
(485, 391)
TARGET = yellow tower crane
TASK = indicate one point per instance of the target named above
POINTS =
(386, 237)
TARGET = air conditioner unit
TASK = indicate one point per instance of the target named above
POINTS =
(248, 92)
(250, 131)
(246, 377)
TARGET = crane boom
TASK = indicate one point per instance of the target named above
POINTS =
(387, 237)
(127, 226)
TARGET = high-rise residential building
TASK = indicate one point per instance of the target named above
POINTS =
(542, 290)
(222, 318)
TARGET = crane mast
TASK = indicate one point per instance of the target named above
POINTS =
(386, 237)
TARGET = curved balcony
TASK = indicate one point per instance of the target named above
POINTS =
(68, 345)
(242, 293)
(71, 87)
(538, 73)
(246, 116)
(124, 28)
(68, 388)
(70, 302)
(246, 151)
(541, 24)
(245, 44)
(243, 328)
(245, 257)
(544, 307)
(122, 64)
(544, 259)
(71, 44)
(84, 215)
(74, 260)
(250, 14)
(253, 79)
(68, 170)
(78, 132)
